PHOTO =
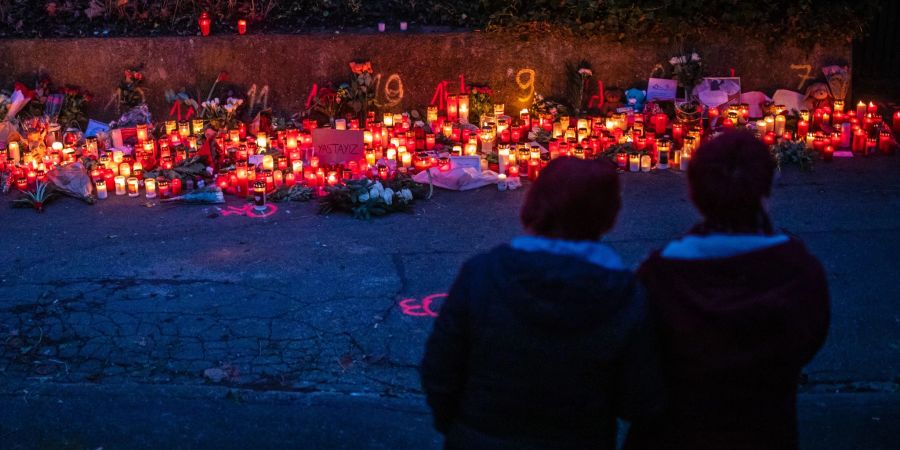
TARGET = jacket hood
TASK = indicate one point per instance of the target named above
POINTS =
(560, 291)
(766, 305)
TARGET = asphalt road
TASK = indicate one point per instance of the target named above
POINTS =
(123, 317)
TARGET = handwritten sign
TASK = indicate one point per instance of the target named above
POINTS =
(337, 146)
(661, 89)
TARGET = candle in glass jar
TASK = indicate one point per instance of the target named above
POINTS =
(684, 159)
(125, 169)
(859, 141)
(828, 153)
(872, 108)
(634, 162)
(896, 122)
(885, 143)
(100, 185)
(132, 187)
(278, 178)
(802, 129)
(120, 184)
(150, 187)
(259, 195)
(463, 108)
(646, 163)
(163, 188)
(175, 186)
(770, 124)
(780, 121)
(861, 109)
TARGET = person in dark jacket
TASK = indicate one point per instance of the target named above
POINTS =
(739, 310)
(543, 342)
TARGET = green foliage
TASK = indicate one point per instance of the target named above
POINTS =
(805, 20)
(794, 153)
(295, 193)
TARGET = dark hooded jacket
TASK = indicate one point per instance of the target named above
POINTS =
(539, 350)
(734, 333)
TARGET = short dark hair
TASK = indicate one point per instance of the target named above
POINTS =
(573, 199)
(729, 177)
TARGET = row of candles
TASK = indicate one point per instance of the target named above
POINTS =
(395, 143)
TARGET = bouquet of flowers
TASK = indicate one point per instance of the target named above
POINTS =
(38, 97)
(360, 92)
(72, 110)
(579, 76)
(130, 94)
(221, 115)
(838, 81)
(687, 69)
(480, 102)
(330, 102)
(542, 106)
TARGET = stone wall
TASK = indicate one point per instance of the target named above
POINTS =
(290, 64)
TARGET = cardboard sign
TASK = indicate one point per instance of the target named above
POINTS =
(661, 89)
(338, 146)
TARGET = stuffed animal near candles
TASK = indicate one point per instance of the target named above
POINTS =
(818, 96)
(612, 100)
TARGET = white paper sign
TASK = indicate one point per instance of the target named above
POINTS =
(462, 162)
(661, 89)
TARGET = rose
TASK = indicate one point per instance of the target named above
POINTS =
(388, 196)
(364, 197)
(405, 194)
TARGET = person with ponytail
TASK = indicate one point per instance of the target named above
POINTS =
(739, 310)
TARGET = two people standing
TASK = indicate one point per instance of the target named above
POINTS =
(545, 341)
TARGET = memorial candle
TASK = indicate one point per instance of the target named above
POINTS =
(872, 108)
(463, 108)
(828, 153)
(860, 109)
(859, 141)
(259, 195)
(120, 185)
(885, 142)
(132, 187)
(770, 124)
(896, 122)
(634, 162)
(150, 187)
(802, 129)
(661, 122)
(142, 132)
(780, 121)
(100, 185)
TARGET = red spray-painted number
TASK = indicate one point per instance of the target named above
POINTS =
(421, 308)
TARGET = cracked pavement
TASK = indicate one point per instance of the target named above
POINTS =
(169, 296)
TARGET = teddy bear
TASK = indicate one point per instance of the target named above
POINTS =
(818, 96)
(612, 100)
(635, 99)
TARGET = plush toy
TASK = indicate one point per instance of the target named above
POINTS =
(818, 96)
(612, 100)
(635, 99)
